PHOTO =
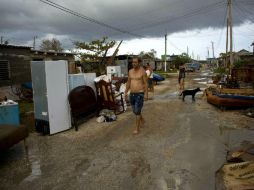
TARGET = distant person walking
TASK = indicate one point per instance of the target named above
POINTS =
(137, 85)
(181, 77)
(149, 73)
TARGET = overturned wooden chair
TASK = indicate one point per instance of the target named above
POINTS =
(107, 98)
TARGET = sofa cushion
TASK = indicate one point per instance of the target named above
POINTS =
(11, 135)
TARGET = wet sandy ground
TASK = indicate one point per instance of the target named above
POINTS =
(181, 146)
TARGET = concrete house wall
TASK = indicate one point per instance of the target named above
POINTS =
(19, 58)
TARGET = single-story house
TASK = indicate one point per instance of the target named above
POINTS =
(15, 62)
(242, 55)
(15, 66)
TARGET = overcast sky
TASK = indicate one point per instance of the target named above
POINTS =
(142, 24)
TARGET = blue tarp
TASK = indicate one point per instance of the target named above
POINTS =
(157, 77)
(27, 85)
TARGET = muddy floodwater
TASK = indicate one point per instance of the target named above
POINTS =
(181, 146)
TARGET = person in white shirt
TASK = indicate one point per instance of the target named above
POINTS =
(149, 73)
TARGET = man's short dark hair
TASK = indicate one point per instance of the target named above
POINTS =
(136, 57)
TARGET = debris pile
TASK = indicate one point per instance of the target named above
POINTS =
(238, 172)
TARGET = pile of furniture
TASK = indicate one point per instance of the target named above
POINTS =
(108, 98)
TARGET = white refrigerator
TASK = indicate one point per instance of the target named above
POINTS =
(50, 94)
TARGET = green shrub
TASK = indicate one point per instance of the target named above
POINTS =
(162, 73)
(221, 70)
(239, 64)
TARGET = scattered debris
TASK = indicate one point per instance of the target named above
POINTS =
(243, 153)
(7, 102)
(109, 115)
(238, 172)
(101, 119)
(249, 112)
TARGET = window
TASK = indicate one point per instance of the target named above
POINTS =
(4, 70)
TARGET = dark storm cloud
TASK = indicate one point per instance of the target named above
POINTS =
(22, 19)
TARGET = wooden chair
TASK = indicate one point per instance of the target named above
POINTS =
(107, 98)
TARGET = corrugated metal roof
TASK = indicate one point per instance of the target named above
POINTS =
(3, 46)
(52, 52)
(12, 46)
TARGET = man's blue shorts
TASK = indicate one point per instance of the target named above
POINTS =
(137, 101)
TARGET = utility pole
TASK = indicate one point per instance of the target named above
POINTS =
(208, 53)
(227, 46)
(231, 34)
(2, 39)
(165, 58)
(34, 42)
(253, 47)
(188, 51)
(213, 48)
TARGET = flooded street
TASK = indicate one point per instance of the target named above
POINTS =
(181, 146)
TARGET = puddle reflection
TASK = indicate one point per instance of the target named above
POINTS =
(202, 82)
(171, 95)
(200, 79)
(234, 137)
(36, 171)
(35, 165)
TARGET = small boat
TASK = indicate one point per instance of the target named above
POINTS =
(232, 101)
(239, 91)
(235, 96)
(157, 77)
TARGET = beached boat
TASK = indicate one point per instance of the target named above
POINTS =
(238, 91)
(231, 101)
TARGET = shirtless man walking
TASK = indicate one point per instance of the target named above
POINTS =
(137, 84)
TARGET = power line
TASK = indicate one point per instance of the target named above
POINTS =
(245, 2)
(196, 35)
(180, 50)
(224, 23)
(193, 12)
(245, 13)
(245, 10)
(241, 16)
(159, 8)
(87, 18)
(243, 33)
